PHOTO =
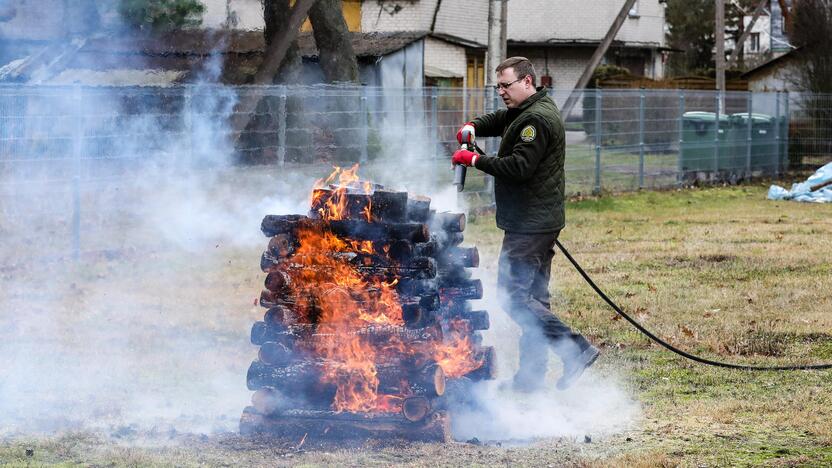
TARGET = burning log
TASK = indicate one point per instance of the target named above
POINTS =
(488, 369)
(289, 308)
(302, 375)
(380, 206)
(356, 229)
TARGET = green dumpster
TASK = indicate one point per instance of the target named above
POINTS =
(764, 152)
(699, 136)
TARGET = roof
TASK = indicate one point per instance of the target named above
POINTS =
(559, 42)
(207, 42)
(436, 72)
(779, 60)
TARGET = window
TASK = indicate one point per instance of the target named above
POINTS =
(754, 42)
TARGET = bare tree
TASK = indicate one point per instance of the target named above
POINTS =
(811, 28)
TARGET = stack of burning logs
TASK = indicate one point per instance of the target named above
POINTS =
(368, 324)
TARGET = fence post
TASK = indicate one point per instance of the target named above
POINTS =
(434, 116)
(679, 175)
(364, 121)
(77, 148)
(641, 140)
(777, 133)
(598, 140)
(716, 134)
(281, 128)
(784, 158)
(189, 125)
(748, 136)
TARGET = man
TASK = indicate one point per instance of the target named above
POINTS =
(529, 186)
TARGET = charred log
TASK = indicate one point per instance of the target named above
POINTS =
(466, 290)
(301, 375)
(418, 209)
(450, 222)
(275, 354)
(468, 257)
(296, 424)
(445, 240)
(356, 229)
(416, 268)
(262, 332)
(282, 245)
(277, 281)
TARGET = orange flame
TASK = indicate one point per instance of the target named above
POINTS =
(329, 291)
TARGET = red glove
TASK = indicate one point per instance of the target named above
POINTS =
(465, 134)
(464, 157)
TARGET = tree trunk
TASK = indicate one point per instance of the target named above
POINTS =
(276, 18)
(338, 62)
(335, 53)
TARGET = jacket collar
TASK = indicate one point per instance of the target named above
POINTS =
(541, 92)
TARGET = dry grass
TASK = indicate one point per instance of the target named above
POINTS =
(720, 272)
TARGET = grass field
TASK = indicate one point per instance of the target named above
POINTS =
(721, 272)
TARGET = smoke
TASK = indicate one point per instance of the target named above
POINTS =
(148, 329)
(595, 405)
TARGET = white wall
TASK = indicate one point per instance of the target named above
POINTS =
(449, 57)
(241, 14)
(467, 19)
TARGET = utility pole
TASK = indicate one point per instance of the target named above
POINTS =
(492, 55)
(596, 58)
(719, 40)
(746, 32)
(503, 32)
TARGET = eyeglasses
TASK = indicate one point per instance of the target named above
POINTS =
(506, 85)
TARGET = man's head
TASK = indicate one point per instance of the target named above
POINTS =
(516, 80)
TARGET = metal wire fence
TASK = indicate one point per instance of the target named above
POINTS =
(70, 154)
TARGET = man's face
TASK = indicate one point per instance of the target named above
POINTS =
(511, 90)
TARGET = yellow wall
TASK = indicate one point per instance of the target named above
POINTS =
(352, 15)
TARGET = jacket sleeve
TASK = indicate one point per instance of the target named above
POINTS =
(491, 124)
(528, 150)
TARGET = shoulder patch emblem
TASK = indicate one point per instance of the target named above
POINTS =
(528, 133)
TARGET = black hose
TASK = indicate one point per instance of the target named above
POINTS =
(670, 346)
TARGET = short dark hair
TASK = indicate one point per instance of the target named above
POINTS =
(522, 67)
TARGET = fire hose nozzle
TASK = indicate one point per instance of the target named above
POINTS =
(459, 177)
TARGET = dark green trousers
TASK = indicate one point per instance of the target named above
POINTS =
(525, 267)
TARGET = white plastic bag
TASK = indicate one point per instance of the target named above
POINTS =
(802, 192)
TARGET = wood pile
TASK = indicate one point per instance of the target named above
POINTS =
(368, 321)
